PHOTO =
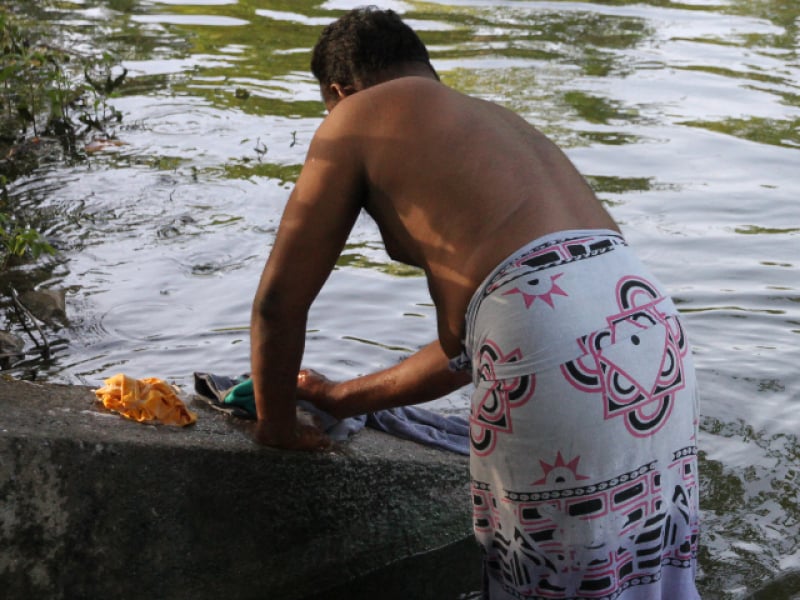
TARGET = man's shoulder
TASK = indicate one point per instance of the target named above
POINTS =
(410, 89)
(394, 93)
(399, 103)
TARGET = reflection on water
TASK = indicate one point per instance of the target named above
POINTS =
(684, 116)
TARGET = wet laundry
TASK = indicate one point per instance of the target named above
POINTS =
(148, 399)
(234, 395)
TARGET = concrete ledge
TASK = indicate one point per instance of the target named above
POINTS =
(95, 506)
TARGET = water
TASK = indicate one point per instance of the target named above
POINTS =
(684, 116)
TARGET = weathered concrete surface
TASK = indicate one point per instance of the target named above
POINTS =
(96, 506)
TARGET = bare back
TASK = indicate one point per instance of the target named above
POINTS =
(456, 184)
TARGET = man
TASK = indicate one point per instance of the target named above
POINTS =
(583, 419)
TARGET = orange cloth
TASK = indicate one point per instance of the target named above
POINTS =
(148, 399)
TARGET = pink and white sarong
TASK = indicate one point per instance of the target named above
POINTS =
(583, 426)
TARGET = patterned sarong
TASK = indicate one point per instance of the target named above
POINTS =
(583, 426)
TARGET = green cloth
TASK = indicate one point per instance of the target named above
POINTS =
(241, 395)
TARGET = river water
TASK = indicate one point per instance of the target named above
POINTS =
(684, 116)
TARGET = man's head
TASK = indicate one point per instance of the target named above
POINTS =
(360, 48)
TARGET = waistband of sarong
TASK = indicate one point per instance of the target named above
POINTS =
(578, 237)
(562, 249)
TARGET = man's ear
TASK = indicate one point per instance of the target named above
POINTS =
(337, 92)
(340, 92)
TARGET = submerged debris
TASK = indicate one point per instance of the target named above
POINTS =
(11, 349)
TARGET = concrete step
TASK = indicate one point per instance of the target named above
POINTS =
(96, 506)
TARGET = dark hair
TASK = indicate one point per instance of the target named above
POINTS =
(363, 42)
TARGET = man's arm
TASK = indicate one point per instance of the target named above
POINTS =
(423, 376)
(316, 222)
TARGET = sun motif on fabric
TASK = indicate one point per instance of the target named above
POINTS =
(534, 289)
(560, 471)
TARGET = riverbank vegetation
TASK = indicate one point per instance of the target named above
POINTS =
(52, 101)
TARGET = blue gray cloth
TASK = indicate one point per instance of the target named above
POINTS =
(447, 432)
(234, 395)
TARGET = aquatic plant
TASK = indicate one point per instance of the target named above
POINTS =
(17, 241)
(50, 99)
(49, 91)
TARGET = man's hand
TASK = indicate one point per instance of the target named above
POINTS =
(296, 436)
(421, 377)
(314, 387)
